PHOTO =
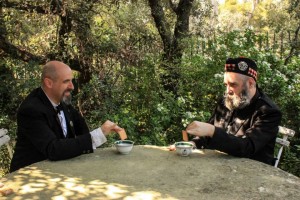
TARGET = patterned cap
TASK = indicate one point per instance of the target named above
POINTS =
(241, 65)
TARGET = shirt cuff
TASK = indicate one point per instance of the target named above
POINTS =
(98, 138)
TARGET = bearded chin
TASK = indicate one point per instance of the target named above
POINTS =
(237, 102)
(67, 99)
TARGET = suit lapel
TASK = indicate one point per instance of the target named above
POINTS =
(69, 122)
(52, 112)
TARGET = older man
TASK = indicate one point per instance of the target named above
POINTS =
(49, 127)
(245, 122)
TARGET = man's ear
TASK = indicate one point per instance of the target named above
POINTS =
(48, 82)
(252, 82)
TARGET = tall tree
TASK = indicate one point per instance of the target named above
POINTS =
(172, 40)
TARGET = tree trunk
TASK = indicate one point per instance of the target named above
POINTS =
(172, 42)
(295, 46)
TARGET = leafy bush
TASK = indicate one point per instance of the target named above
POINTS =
(15, 83)
(133, 95)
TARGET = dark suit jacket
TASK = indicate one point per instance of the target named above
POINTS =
(40, 136)
(249, 132)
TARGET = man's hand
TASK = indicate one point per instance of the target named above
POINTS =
(172, 147)
(200, 129)
(108, 127)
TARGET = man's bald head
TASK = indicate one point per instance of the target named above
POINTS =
(57, 81)
(51, 69)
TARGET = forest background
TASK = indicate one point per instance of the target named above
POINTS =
(152, 66)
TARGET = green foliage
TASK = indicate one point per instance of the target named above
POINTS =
(138, 103)
(16, 82)
(120, 43)
(133, 97)
(4, 161)
(291, 159)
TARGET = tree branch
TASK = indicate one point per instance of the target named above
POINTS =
(14, 52)
(25, 7)
(173, 6)
(182, 25)
(294, 46)
(161, 23)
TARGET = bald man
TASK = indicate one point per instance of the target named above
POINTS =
(49, 127)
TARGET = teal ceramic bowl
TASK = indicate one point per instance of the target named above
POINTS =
(124, 146)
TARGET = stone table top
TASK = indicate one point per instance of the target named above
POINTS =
(152, 172)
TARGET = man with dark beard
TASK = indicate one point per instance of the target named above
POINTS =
(48, 125)
(245, 122)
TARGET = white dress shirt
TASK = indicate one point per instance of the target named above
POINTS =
(98, 138)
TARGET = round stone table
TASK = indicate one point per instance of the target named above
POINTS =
(152, 172)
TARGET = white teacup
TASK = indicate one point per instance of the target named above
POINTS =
(124, 146)
(184, 148)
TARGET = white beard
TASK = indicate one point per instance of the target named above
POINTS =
(233, 102)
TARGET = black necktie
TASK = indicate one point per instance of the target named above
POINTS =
(59, 108)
